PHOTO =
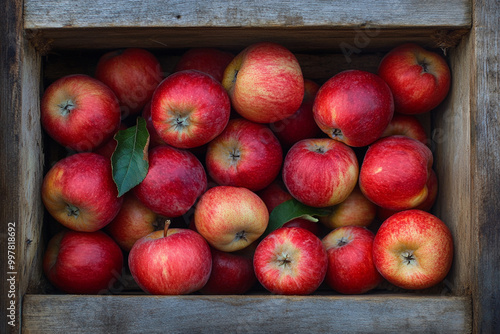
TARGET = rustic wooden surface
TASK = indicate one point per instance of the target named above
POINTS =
(316, 25)
(259, 13)
(246, 314)
(485, 159)
(21, 161)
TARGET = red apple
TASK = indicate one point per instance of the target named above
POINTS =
(212, 61)
(133, 221)
(426, 205)
(176, 261)
(175, 180)
(395, 171)
(82, 262)
(232, 273)
(406, 125)
(79, 112)
(154, 137)
(413, 249)
(245, 154)
(354, 107)
(189, 108)
(108, 148)
(355, 210)
(320, 172)
(230, 218)
(264, 82)
(350, 262)
(274, 194)
(301, 124)
(290, 261)
(419, 78)
(79, 192)
(133, 75)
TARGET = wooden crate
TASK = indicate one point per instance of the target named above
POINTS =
(465, 132)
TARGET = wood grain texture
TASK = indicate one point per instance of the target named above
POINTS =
(299, 39)
(246, 314)
(261, 13)
(21, 162)
(485, 159)
(451, 144)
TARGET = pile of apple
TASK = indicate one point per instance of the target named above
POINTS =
(236, 141)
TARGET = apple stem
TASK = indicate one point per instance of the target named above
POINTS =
(165, 229)
(72, 210)
(66, 107)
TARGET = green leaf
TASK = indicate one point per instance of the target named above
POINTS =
(129, 161)
(292, 209)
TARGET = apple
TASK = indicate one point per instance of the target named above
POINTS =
(82, 262)
(245, 154)
(413, 249)
(350, 263)
(209, 60)
(320, 172)
(301, 124)
(175, 261)
(79, 192)
(108, 148)
(426, 205)
(355, 210)
(154, 137)
(290, 261)
(354, 107)
(230, 218)
(264, 82)
(79, 112)
(419, 79)
(395, 171)
(232, 273)
(133, 221)
(175, 180)
(274, 194)
(133, 74)
(189, 108)
(406, 125)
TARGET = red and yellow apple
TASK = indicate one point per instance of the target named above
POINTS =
(189, 108)
(290, 261)
(320, 172)
(264, 82)
(133, 74)
(406, 125)
(354, 107)
(245, 154)
(350, 262)
(175, 261)
(79, 112)
(395, 172)
(79, 192)
(175, 180)
(230, 218)
(413, 249)
(419, 79)
(82, 262)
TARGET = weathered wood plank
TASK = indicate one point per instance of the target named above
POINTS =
(485, 159)
(246, 314)
(260, 13)
(451, 139)
(21, 162)
(300, 39)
